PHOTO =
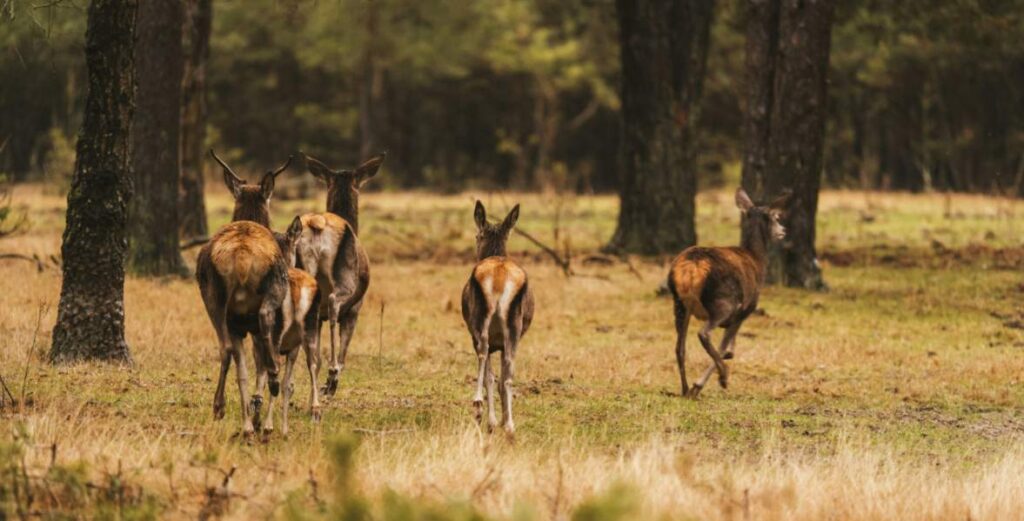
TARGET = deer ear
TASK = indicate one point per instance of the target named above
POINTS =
(267, 185)
(295, 229)
(318, 169)
(782, 202)
(480, 216)
(369, 168)
(233, 183)
(743, 201)
(510, 219)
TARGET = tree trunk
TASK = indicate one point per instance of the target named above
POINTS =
(90, 317)
(156, 131)
(660, 88)
(192, 201)
(787, 66)
(371, 106)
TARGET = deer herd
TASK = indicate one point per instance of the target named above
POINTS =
(280, 289)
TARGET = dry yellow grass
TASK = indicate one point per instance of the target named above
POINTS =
(897, 395)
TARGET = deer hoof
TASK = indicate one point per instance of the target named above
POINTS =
(332, 385)
(727, 355)
(694, 391)
(723, 381)
(218, 411)
(275, 387)
(316, 414)
(265, 435)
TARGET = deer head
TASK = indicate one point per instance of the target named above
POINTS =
(762, 224)
(491, 238)
(252, 202)
(343, 185)
(289, 241)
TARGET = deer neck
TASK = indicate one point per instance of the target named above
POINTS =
(344, 202)
(491, 250)
(755, 240)
(256, 215)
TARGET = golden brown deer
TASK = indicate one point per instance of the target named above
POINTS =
(497, 306)
(721, 286)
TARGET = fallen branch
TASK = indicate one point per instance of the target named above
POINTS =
(562, 263)
(193, 242)
(40, 266)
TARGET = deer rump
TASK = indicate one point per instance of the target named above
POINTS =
(241, 266)
(498, 287)
(700, 276)
(330, 251)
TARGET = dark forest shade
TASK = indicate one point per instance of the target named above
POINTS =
(156, 160)
(90, 318)
(663, 52)
(192, 203)
(787, 65)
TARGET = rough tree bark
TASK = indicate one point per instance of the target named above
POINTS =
(787, 64)
(90, 317)
(663, 52)
(156, 131)
(192, 203)
(371, 93)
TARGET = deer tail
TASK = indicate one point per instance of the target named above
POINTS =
(317, 223)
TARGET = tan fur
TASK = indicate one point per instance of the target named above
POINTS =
(303, 286)
(689, 277)
(501, 280)
(243, 252)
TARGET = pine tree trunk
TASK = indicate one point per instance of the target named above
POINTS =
(662, 70)
(192, 201)
(156, 132)
(788, 51)
(90, 317)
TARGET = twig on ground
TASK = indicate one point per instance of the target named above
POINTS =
(193, 242)
(562, 263)
(40, 266)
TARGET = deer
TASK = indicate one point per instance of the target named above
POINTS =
(329, 249)
(243, 280)
(298, 327)
(497, 307)
(721, 285)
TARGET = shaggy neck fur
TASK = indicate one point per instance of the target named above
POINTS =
(250, 206)
(491, 247)
(343, 201)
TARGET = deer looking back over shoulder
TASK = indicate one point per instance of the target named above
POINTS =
(497, 306)
(721, 285)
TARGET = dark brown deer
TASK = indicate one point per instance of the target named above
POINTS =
(721, 286)
(329, 249)
(243, 279)
(497, 306)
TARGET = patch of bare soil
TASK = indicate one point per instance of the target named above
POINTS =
(937, 256)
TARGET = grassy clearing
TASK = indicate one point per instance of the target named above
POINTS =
(896, 395)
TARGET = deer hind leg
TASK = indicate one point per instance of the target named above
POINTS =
(311, 344)
(492, 419)
(243, 384)
(483, 350)
(286, 398)
(705, 339)
(682, 325)
(219, 405)
(333, 368)
(256, 400)
(267, 348)
(508, 355)
(346, 328)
